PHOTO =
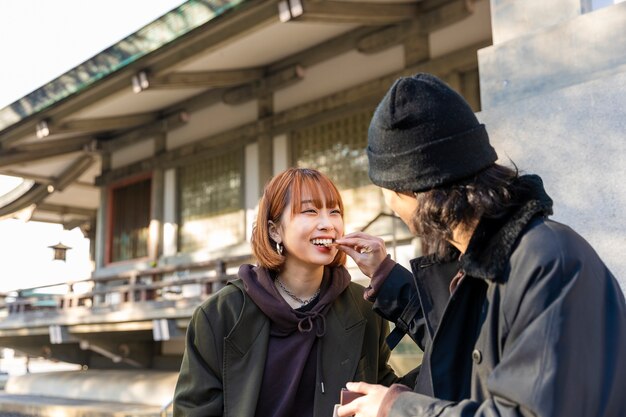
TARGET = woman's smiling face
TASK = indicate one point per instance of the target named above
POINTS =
(301, 210)
(308, 229)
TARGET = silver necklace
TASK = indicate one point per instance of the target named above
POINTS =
(295, 297)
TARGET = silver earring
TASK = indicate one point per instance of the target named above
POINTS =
(279, 248)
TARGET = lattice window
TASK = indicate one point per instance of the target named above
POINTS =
(210, 202)
(130, 207)
(337, 149)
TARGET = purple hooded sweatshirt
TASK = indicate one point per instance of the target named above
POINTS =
(293, 355)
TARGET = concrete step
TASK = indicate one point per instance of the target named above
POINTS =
(147, 387)
(44, 406)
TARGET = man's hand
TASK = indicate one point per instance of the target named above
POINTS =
(368, 404)
(367, 251)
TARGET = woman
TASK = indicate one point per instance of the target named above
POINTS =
(284, 338)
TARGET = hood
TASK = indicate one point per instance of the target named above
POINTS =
(259, 285)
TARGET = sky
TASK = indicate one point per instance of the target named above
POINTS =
(39, 41)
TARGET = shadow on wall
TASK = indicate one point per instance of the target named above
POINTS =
(573, 139)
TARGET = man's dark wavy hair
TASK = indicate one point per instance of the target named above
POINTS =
(439, 211)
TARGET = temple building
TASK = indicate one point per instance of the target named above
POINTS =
(158, 147)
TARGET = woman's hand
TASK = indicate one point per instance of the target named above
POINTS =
(367, 251)
(367, 405)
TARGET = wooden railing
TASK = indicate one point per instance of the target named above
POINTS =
(169, 282)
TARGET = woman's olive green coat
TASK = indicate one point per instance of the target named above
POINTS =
(226, 349)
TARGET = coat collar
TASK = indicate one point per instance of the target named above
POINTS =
(243, 335)
(246, 347)
(346, 314)
(494, 238)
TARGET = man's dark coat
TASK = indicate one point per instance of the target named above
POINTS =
(537, 327)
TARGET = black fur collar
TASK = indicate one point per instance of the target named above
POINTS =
(492, 242)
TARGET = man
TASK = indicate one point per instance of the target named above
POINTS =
(516, 314)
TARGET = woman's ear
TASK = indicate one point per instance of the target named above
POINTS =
(274, 231)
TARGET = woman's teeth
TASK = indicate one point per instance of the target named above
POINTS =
(322, 242)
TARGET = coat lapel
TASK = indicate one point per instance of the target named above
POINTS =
(245, 351)
(341, 350)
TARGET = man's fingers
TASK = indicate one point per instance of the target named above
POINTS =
(351, 408)
(347, 410)
(352, 241)
(349, 250)
(362, 387)
(358, 235)
(363, 245)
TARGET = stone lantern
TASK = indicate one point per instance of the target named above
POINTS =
(60, 251)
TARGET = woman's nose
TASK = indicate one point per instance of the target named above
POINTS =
(325, 223)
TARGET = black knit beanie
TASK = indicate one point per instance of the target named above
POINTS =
(424, 135)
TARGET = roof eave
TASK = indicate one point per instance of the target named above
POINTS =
(168, 28)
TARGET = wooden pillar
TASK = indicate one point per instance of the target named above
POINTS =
(155, 232)
(265, 140)
(100, 241)
(416, 47)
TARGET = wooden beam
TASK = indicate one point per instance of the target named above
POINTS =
(445, 15)
(197, 79)
(44, 179)
(373, 90)
(426, 5)
(172, 121)
(306, 58)
(18, 155)
(345, 102)
(33, 196)
(47, 128)
(251, 15)
(416, 46)
(323, 51)
(40, 192)
(82, 212)
(329, 11)
(435, 14)
(382, 39)
(280, 79)
(221, 142)
(73, 172)
(107, 123)
(71, 224)
(41, 145)
(200, 101)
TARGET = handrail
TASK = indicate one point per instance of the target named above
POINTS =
(160, 270)
(154, 284)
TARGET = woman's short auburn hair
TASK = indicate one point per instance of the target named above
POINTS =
(284, 189)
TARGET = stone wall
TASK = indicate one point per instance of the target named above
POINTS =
(558, 110)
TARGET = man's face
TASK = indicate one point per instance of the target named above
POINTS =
(401, 204)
